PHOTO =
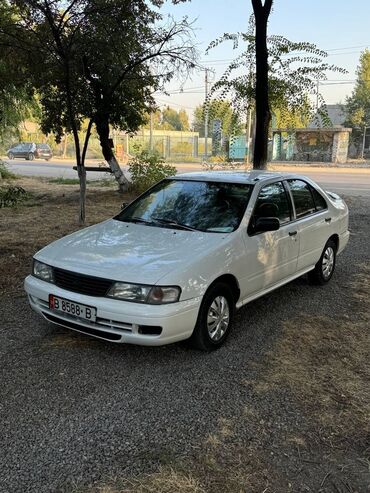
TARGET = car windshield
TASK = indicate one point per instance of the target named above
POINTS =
(192, 205)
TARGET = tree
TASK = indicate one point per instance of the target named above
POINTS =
(263, 114)
(357, 108)
(217, 110)
(101, 62)
(293, 69)
(168, 119)
(174, 120)
(17, 99)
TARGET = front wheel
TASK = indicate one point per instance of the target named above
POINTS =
(215, 318)
(325, 267)
(11, 156)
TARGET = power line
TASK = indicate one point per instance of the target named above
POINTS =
(227, 60)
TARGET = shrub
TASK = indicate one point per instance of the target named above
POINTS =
(5, 174)
(147, 169)
(12, 196)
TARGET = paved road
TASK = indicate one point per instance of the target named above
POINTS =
(349, 181)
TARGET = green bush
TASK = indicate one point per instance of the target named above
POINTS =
(12, 196)
(147, 169)
(5, 174)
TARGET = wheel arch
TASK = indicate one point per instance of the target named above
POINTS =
(335, 238)
(231, 281)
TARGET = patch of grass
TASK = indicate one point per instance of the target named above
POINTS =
(65, 181)
(5, 174)
(330, 375)
(104, 182)
(165, 480)
(54, 213)
(12, 196)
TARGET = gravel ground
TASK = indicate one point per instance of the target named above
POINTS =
(77, 413)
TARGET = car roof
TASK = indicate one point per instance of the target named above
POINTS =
(244, 177)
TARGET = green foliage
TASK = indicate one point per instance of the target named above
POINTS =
(11, 196)
(175, 120)
(65, 181)
(357, 108)
(168, 119)
(218, 109)
(294, 68)
(283, 117)
(358, 104)
(94, 63)
(147, 169)
(5, 174)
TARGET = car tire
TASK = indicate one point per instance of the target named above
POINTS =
(325, 267)
(30, 157)
(218, 304)
(11, 156)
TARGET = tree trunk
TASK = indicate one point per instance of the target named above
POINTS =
(82, 177)
(102, 127)
(263, 114)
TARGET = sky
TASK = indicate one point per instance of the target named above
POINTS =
(339, 26)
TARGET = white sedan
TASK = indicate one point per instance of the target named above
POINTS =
(179, 260)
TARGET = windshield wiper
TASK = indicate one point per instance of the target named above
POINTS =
(139, 220)
(175, 224)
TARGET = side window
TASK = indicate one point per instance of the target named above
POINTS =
(320, 202)
(272, 201)
(302, 196)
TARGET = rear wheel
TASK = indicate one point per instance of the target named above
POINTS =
(325, 267)
(30, 156)
(215, 318)
(11, 156)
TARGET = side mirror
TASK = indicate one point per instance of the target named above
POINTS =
(124, 205)
(264, 224)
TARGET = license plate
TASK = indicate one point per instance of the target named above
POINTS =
(72, 308)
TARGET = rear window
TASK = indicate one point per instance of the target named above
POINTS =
(44, 147)
(302, 196)
(320, 202)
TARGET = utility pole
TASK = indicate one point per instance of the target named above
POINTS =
(249, 134)
(363, 143)
(317, 94)
(151, 132)
(206, 116)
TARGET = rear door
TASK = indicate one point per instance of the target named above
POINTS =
(312, 221)
(271, 256)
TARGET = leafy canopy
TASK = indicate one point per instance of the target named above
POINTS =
(294, 69)
(358, 104)
(99, 57)
(218, 109)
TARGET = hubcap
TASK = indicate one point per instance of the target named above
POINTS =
(218, 318)
(328, 262)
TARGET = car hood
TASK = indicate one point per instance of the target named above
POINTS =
(127, 251)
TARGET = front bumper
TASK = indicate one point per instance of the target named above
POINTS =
(117, 321)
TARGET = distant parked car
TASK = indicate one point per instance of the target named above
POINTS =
(179, 260)
(43, 151)
(30, 151)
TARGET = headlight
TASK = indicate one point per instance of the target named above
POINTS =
(153, 295)
(42, 271)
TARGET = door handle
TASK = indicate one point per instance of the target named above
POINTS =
(328, 220)
(293, 233)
